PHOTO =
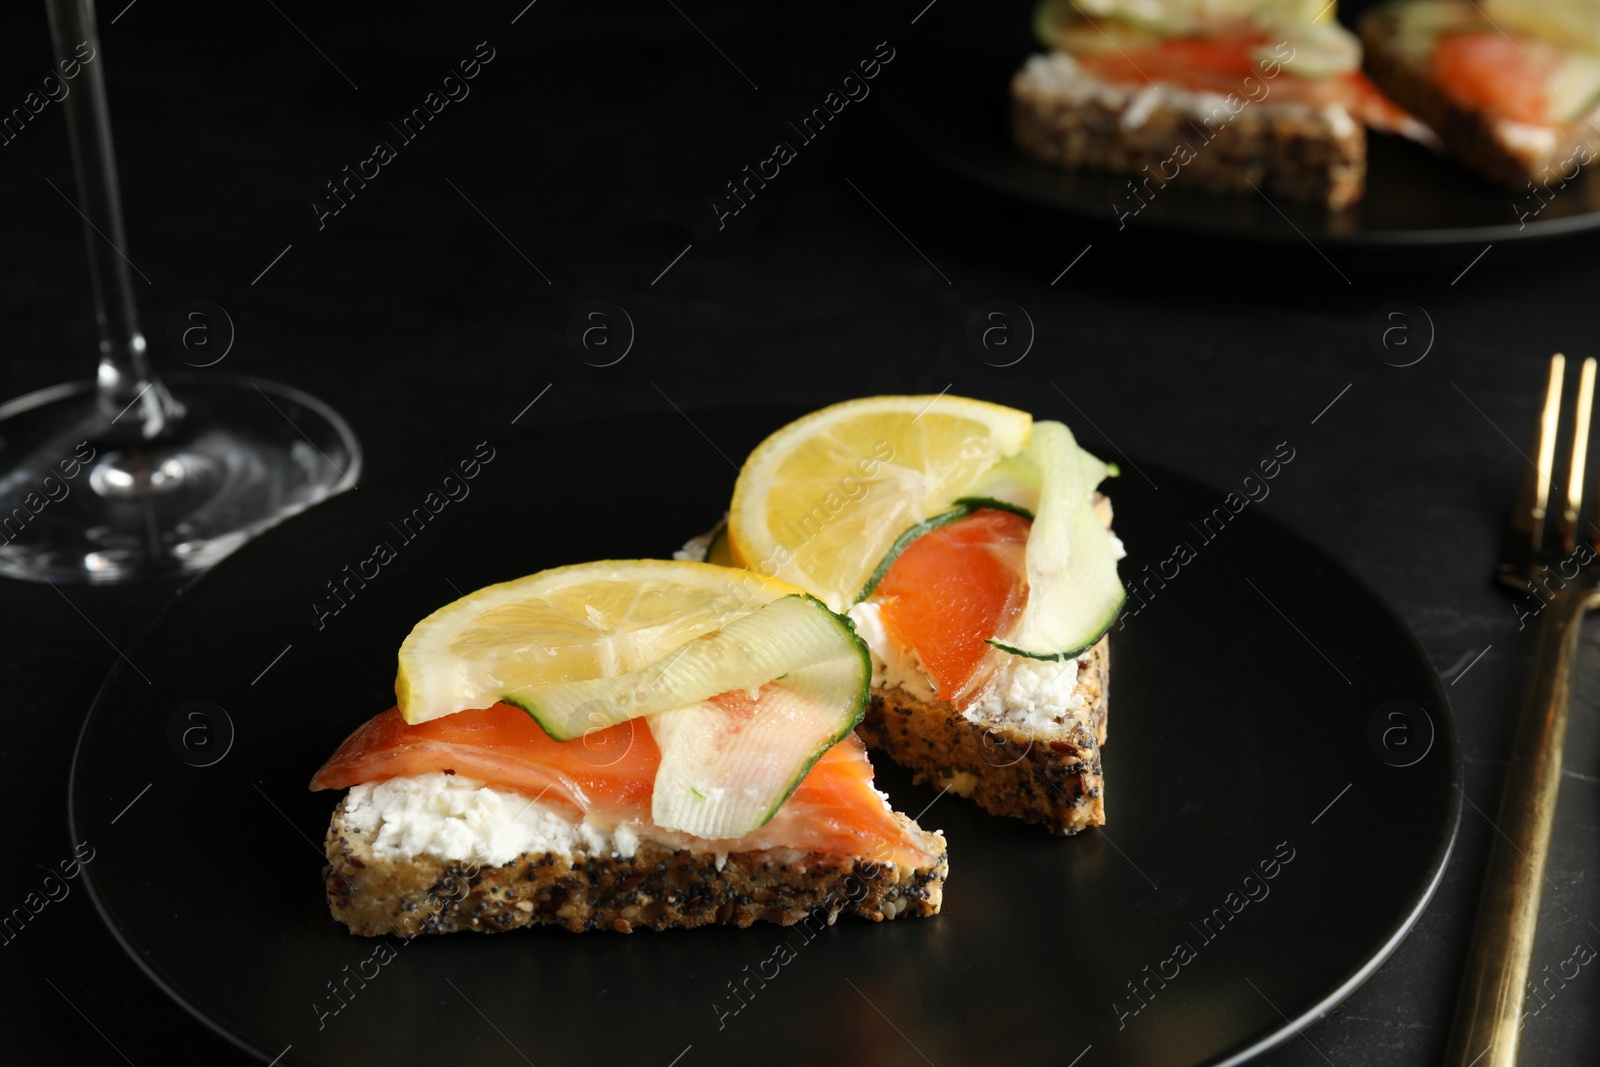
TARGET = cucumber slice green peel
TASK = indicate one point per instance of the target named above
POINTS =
(1080, 599)
(964, 507)
(1012, 484)
(1065, 654)
(726, 768)
(1074, 594)
(974, 503)
(790, 632)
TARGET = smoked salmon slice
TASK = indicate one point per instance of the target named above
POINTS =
(1208, 63)
(1492, 73)
(1221, 65)
(952, 589)
(608, 776)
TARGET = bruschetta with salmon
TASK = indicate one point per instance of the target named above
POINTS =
(1230, 96)
(622, 745)
(1511, 86)
(971, 548)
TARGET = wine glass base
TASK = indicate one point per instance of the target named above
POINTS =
(83, 499)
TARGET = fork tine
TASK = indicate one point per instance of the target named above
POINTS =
(1525, 532)
(1583, 407)
(1549, 429)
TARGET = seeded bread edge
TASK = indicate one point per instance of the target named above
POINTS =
(1287, 150)
(657, 888)
(1051, 777)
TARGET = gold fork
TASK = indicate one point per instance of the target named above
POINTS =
(1546, 553)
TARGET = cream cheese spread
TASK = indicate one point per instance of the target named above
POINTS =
(1032, 693)
(455, 818)
(892, 666)
(1059, 75)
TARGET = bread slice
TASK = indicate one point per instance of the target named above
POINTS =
(1165, 135)
(1046, 774)
(1510, 153)
(657, 887)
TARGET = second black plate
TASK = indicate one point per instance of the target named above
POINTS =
(951, 103)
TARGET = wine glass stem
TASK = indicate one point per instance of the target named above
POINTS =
(125, 384)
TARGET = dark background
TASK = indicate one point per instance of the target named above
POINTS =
(594, 143)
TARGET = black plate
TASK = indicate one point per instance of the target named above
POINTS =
(1248, 720)
(951, 102)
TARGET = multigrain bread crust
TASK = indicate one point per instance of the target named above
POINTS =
(1048, 776)
(1489, 145)
(1289, 150)
(657, 888)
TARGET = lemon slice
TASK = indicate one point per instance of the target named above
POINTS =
(591, 620)
(821, 501)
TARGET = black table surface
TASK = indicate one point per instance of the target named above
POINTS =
(583, 164)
